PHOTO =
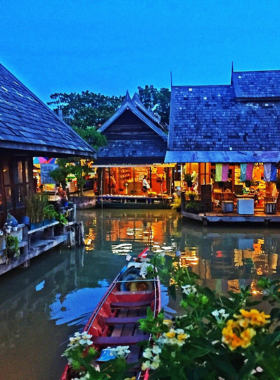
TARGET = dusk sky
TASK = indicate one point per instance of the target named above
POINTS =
(110, 46)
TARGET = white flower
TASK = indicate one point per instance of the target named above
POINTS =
(220, 315)
(148, 353)
(146, 365)
(156, 350)
(180, 331)
(120, 351)
(155, 365)
(189, 289)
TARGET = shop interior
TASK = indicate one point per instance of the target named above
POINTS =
(223, 186)
(128, 181)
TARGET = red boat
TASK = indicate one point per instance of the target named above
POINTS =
(114, 322)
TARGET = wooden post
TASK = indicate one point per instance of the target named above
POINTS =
(183, 201)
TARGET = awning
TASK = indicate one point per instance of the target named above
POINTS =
(222, 156)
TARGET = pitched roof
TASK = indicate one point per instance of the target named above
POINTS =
(137, 101)
(213, 119)
(26, 123)
(129, 104)
(256, 84)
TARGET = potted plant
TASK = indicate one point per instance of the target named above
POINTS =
(191, 194)
(49, 214)
(192, 207)
(35, 209)
(12, 246)
(188, 179)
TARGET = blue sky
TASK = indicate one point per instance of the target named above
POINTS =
(109, 46)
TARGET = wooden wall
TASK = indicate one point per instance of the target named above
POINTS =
(16, 182)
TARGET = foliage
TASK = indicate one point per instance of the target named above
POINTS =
(188, 178)
(191, 194)
(60, 174)
(81, 363)
(216, 337)
(176, 203)
(68, 166)
(91, 136)
(13, 245)
(61, 218)
(156, 100)
(192, 206)
(35, 207)
(88, 109)
(50, 212)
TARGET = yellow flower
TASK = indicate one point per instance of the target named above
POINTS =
(255, 317)
(170, 334)
(246, 336)
(182, 336)
(234, 335)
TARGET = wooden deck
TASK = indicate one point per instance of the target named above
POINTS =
(216, 216)
(126, 201)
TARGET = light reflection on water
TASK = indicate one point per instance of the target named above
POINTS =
(42, 305)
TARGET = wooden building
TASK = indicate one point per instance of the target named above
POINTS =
(136, 146)
(228, 127)
(28, 128)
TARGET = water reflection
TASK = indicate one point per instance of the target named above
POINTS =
(230, 258)
(42, 305)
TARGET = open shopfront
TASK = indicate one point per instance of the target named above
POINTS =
(229, 187)
(128, 180)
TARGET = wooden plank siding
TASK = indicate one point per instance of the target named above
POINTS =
(130, 140)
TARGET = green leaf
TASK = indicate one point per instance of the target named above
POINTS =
(172, 291)
(225, 366)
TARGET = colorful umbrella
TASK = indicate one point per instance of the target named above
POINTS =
(39, 160)
(51, 161)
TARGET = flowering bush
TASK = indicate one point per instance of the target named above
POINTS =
(215, 337)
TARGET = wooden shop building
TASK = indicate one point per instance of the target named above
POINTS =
(228, 136)
(136, 146)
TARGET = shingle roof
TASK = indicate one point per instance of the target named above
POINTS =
(129, 104)
(256, 84)
(26, 123)
(212, 119)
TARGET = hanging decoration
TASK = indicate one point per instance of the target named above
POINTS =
(270, 172)
(249, 171)
(225, 172)
(218, 175)
(243, 169)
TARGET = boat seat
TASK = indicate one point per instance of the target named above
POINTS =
(129, 305)
(123, 320)
(118, 340)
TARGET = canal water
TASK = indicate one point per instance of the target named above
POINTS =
(41, 306)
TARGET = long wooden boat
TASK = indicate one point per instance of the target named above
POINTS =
(114, 322)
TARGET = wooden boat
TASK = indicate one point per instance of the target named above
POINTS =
(114, 322)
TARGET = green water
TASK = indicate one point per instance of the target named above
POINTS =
(41, 306)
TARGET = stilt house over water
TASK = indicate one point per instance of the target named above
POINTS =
(28, 128)
(228, 137)
(136, 146)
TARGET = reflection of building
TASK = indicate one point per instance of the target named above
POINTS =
(136, 146)
(232, 259)
(28, 128)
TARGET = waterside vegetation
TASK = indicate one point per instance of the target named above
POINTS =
(214, 337)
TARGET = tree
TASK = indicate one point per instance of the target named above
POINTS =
(91, 136)
(88, 109)
(156, 100)
(68, 166)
